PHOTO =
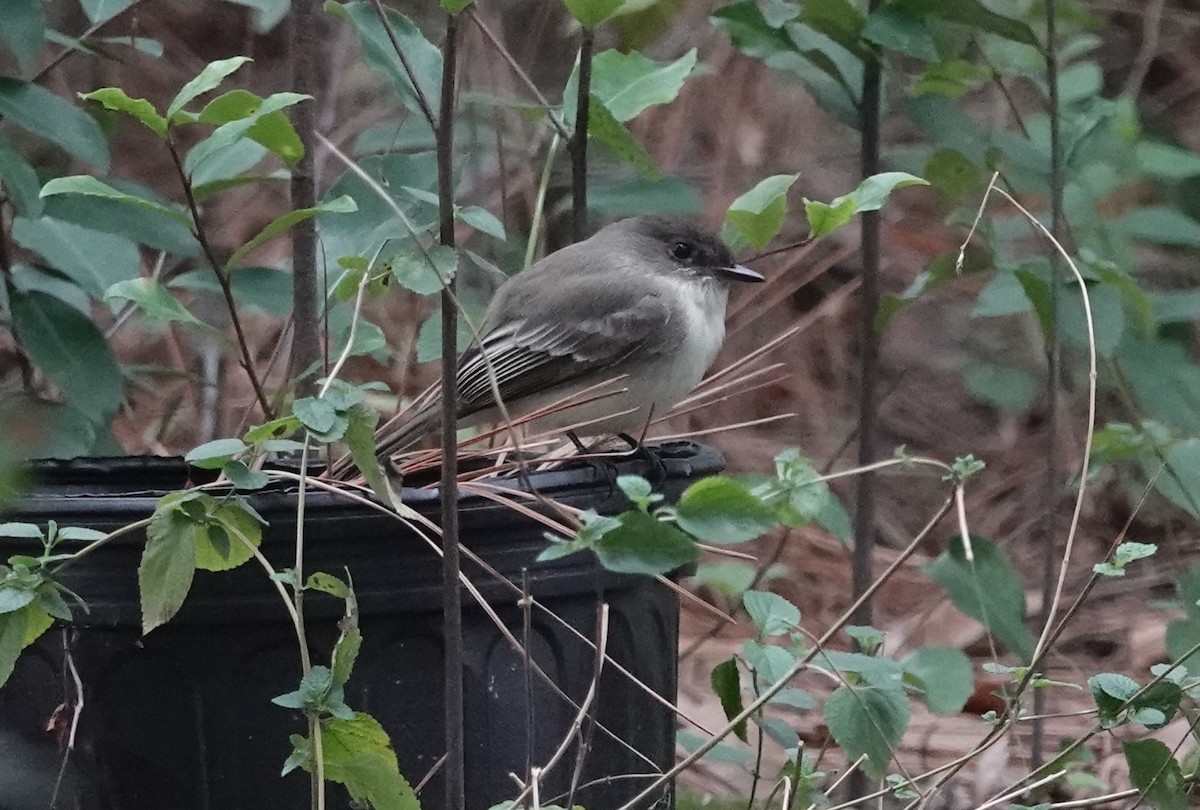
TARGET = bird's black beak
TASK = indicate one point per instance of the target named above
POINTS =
(738, 273)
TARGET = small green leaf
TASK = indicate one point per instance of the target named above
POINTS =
(639, 544)
(242, 477)
(455, 6)
(30, 531)
(167, 567)
(20, 180)
(972, 13)
(482, 220)
(756, 216)
(868, 638)
(154, 301)
(114, 98)
(213, 455)
(271, 130)
(23, 30)
(12, 637)
(726, 685)
(208, 79)
(1156, 774)
(825, 218)
(360, 436)
(867, 720)
(46, 115)
(722, 510)
(412, 268)
(987, 590)
(629, 83)
(869, 196)
(89, 186)
(327, 583)
(70, 350)
(357, 753)
(229, 134)
(898, 31)
(229, 537)
(771, 613)
(423, 56)
(944, 675)
(92, 259)
(341, 205)
(591, 13)
(605, 129)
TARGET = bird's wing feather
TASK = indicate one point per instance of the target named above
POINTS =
(592, 332)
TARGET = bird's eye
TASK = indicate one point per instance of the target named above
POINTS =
(682, 250)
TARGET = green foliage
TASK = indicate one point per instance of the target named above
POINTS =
(1120, 700)
(868, 720)
(1156, 774)
(987, 589)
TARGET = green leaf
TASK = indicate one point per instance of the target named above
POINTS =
(869, 196)
(642, 545)
(726, 685)
(70, 350)
(987, 590)
(951, 79)
(154, 300)
(168, 565)
(207, 79)
(357, 753)
(340, 205)
(1118, 700)
(605, 129)
(629, 83)
(228, 520)
(825, 218)
(229, 134)
(380, 54)
(455, 6)
(837, 19)
(115, 99)
(412, 268)
(756, 216)
(213, 455)
(1167, 161)
(482, 220)
(973, 14)
(23, 30)
(30, 531)
(899, 31)
(1161, 226)
(771, 613)
(20, 180)
(98, 10)
(1156, 774)
(242, 477)
(770, 662)
(92, 259)
(360, 436)
(271, 130)
(46, 115)
(591, 13)
(12, 637)
(156, 224)
(867, 720)
(89, 186)
(722, 510)
(945, 676)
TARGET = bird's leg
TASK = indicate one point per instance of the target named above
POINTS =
(658, 472)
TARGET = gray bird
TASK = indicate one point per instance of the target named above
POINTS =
(643, 299)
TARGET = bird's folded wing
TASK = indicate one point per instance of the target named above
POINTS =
(544, 350)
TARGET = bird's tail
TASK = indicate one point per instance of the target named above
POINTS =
(415, 427)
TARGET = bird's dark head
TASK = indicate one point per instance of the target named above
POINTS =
(686, 247)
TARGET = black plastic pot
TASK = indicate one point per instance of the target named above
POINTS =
(182, 718)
